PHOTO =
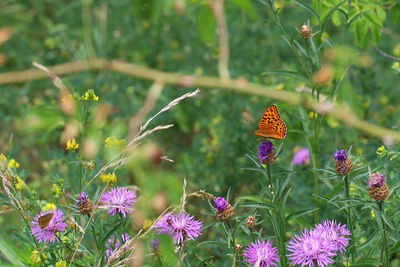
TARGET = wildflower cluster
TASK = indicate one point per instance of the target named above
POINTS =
(90, 95)
(113, 141)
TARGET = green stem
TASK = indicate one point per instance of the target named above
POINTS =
(94, 235)
(385, 248)
(269, 178)
(349, 216)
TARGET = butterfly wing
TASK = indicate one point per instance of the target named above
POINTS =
(271, 124)
(45, 220)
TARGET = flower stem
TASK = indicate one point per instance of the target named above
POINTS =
(269, 177)
(349, 216)
(384, 236)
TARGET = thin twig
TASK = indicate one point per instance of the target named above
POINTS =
(385, 54)
(340, 112)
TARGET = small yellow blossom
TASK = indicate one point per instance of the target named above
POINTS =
(57, 190)
(353, 188)
(71, 224)
(2, 157)
(279, 87)
(90, 94)
(72, 144)
(312, 114)
(113, 141)
(61, 263)
(12, 163)
(372, 214)
(324, 36)
(18, 185)
(88, 165)
(49, 206)
(109, 178)
(65, 239)
(147, 223)
(279, 4)
(35, 256)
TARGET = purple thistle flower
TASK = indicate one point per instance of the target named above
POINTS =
(113, 244)
(179, 226)
(82, 198)
(340, 155)
(220, 203)
(335, 233)
(48, 234)
(264, 150)
(376, 179)
(302, 155)
(119, 200)
(261, 253)
(154, 243)
(311, 247)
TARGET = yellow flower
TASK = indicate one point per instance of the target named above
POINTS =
(90, 94)
(12, 163)
(353, 188)
(88, 165)
(57, 190)
(372, 214)
(18, 185)
(35, 256)
(61, 263)
(2, 157)
(324, 36)
(147, 223)
(109, 178)
(113, 141)
(279, 4)
(279, 87)
(49, 206)
(72, 144)
(311, 114)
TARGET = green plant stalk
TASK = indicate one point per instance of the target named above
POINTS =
(82, 137)
(278, 223)
(349, 216)
(94, 235)
(385, 249)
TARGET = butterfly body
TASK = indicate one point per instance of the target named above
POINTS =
(45, 220)
(271, 124)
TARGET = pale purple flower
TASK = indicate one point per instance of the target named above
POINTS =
(261, 253)
(302, 155)
(154, 243)
(220, 203)
(48, 234)
(179, 226)
(264, 150)
(376, 179)
(114, 243)
(335, 233)
(311, 247)
(119, 200)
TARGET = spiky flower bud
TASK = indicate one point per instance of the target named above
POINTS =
(225, 214)
(250, 221)
(305, 31)
(84, 204)
(377, 186)
(343, 164)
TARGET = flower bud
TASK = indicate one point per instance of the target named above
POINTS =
(377, 186)
(305, 31)
(343, 164)
(225, 214)
(84, 204)
(250, 221)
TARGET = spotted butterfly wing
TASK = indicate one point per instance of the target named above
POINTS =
(271, 124)
(45, 220)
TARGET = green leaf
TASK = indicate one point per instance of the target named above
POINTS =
(206, 24)
(258, 206)
(299, 213)
(248, 7)
(291, 74)
(356, 17)
(308, 8)
(376, 34)
(10, 252)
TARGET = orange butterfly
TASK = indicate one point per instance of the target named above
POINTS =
(271, 124)
(45, 220)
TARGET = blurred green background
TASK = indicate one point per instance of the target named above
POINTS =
(213, 131)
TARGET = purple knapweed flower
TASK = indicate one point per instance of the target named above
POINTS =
(335, 233)
(119, 200)
(154, 243)
(302, 155)
(48, 233)
(113, 244)
(376, 179)
(82, 198)
(261, 253)
(220, 203)
(179, 226)
(340, 155)
(311, 247)
(265, 150)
